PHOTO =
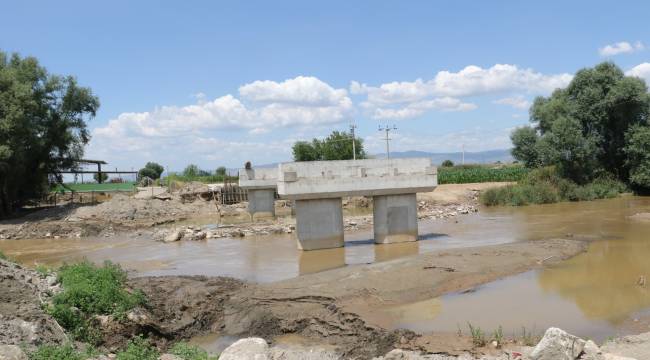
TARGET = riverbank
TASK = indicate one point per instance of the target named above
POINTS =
(325, 308)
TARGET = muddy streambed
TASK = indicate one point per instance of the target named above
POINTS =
(595, 294)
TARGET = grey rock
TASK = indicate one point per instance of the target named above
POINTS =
(248, 348)
(557, 344)
(175, 235)
(12, 352)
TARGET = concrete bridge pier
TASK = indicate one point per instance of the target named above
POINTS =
(319, 223)
(261, 203)
(395, 218)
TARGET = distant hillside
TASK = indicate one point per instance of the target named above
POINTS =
(481, 157)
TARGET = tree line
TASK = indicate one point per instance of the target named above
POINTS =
(596, 128)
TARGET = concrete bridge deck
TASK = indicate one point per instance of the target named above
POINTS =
(318, 186)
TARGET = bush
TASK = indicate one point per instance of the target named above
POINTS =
(544, 186)
(60, 352)
(138, 348)
(447, 163)
(89, 290)
(188, 352)
(3, 256)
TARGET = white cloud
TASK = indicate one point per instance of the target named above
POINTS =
(262, 106)
(470, 81)
(622, 47)
(517, 102)
(418, 108)
(642, 71)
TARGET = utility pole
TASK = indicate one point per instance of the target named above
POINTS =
(354, 145)
(386, 130)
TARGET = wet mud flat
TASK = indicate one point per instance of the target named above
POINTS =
(337, 307)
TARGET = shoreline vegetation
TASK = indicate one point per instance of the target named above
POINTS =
(546, 186)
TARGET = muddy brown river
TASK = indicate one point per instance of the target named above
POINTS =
(595, 294)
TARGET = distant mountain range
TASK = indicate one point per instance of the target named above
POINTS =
(480, 157)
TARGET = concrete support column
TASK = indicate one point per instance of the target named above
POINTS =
(395, 218)
(261, 203)
(319, 223)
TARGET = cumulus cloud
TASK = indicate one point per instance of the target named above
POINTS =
(303, 101)
(517, 102)
(445, 85)
(418, 108)
(261, 106)
(622, 47)
(642, 71)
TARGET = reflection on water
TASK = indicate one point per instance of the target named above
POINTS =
(590, 295)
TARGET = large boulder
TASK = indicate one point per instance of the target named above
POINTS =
(557, 344)
(248, 348)
(12, 352)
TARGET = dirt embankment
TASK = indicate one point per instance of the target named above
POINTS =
(22, 318)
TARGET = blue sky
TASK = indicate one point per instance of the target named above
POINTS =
(219, 83)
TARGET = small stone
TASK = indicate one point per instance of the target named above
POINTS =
(175, 235)
(169, 357)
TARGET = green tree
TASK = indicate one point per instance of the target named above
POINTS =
(42, 128)
(306, 151)
(221, 171)
(525, 148)
(447, 163)
(583, 128)
(103, 178)
(159, 169)
(336, 146)
(191, 171)
(638, 156)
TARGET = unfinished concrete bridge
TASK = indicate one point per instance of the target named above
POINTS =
(317, 188)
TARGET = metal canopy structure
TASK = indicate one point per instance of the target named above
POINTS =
(99, 171)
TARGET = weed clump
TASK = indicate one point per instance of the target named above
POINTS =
(138, 348)
(545, 186)
(478, 336)
(89, 290)
(186, 351)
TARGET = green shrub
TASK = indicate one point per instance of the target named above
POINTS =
(544, 186)
(188, 352)
(3, 256)
(61, 352)
(89, 290)
(447, 163)
(138, 348)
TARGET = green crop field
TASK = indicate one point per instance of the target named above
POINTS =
(127, 186)
(464, 174)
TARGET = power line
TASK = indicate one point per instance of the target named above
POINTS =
(387, 129)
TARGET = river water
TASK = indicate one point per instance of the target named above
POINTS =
(594, 294)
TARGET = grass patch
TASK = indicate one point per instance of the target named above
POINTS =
(3, 256)
(89, 290)
(61, 352)
(190, 352)
(464, 174)
(138, 348)
(478, 336)
(544, 186)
